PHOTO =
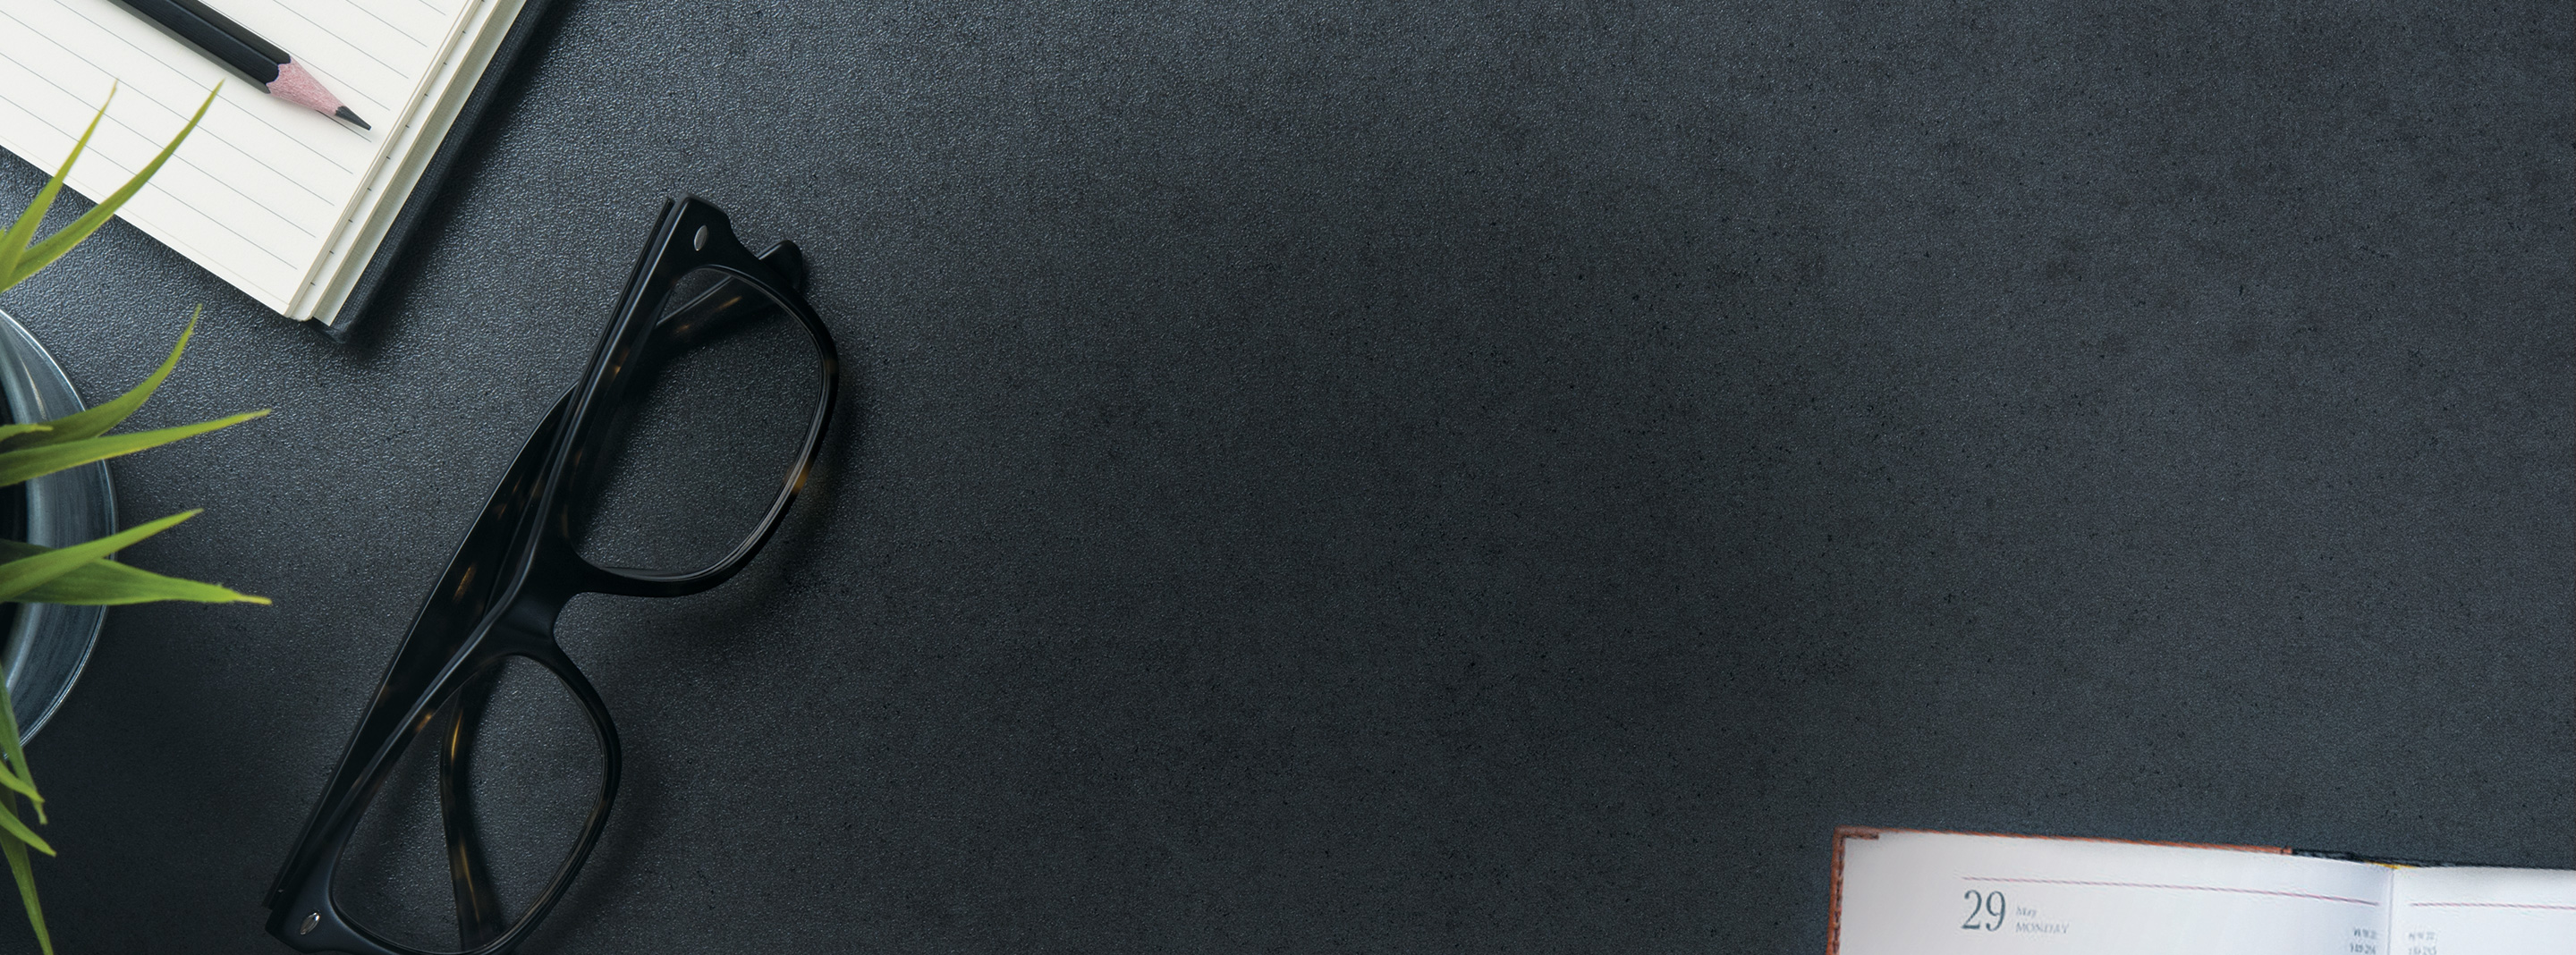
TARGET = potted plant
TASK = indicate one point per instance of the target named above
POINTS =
(81, 573)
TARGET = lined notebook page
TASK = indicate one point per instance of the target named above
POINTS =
(263, 188)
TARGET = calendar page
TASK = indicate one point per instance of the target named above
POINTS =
(1924, 893)
(2474, 911)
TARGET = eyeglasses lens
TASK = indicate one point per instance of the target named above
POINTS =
(525, 776)
(708, 434)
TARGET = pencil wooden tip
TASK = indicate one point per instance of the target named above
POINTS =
(297, 85)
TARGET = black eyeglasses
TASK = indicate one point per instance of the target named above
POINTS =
(660, 474)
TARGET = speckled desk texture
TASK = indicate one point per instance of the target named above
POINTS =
(1428, 476)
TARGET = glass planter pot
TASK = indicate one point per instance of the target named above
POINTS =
(47, 643)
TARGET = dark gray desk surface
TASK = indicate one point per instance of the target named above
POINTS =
(1414, 477)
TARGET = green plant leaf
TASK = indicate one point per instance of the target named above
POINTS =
(106, 582)
(95, 421)
(23, 231)
(23, 463)
(28, 573)
(8, 431)
(17, 757)
(24, 788)
(9, 778)
(26, 875)
(10, 824)
(43, 253)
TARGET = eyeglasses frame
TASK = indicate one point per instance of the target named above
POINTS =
(526, 529)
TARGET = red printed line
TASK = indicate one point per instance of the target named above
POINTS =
(2492, 905)
(2160, 885)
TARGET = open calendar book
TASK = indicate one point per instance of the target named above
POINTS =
(1901, 892)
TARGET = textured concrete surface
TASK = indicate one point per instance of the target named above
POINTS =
(1426, 476)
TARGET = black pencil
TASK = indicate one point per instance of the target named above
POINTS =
(234, 46)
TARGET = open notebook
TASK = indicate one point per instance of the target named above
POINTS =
(285, 203)
(1899, 892)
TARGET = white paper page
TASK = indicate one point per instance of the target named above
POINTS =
(2476, 911)
(1940, 894)
(263, 185)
